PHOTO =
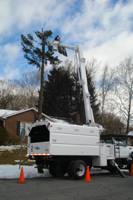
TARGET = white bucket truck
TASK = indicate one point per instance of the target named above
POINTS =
(68, 148)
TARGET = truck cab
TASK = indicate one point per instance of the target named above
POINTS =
(122, 151)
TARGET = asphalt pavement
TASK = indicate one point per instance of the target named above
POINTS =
(102, 187)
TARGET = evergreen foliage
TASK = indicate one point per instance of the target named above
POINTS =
(38, 51)
(58, 93)
(63, 95)
(38, 48)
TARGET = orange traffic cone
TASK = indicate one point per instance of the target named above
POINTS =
(87, 176)
(21, 177)
(131, 170)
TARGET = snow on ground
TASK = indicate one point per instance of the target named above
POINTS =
(9, 148)
(13, 172)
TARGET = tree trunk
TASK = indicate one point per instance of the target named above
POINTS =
(129, 113)
(42, 78)
(102, 108)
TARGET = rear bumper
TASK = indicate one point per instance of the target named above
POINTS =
(34, 155)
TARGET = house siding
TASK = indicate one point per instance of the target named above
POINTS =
(11, 122)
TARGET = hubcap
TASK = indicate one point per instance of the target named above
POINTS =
(80, 171)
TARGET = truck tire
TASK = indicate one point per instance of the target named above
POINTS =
(40, 169)
(120, 164)
(56, 169)
(77, 169)
(70, 169)
(40, 164)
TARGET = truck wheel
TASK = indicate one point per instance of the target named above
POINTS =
(120, 164)
(77, 169)
(70, 169)
(40, 164)
(40, 169)
(56, 169)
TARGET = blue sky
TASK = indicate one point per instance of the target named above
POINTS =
(102, 28)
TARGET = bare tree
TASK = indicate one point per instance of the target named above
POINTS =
(92, 66)
(20, 94)
(6, 96)
(124, 90)
(27, 89)
(11, 96)
(106, 84)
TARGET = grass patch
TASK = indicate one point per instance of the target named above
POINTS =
(13, 157)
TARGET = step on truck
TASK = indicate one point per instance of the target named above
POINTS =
(68, 148)
(122, 150)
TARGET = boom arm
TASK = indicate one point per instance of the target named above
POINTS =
(83, 81)
(81, 70)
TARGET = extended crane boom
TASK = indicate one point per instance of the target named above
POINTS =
(81, 71)
(83, 81)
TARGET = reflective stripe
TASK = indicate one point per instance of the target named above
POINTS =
(38, 154)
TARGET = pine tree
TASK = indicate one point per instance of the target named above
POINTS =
(63, 95)
(58, 93)
(38, 51)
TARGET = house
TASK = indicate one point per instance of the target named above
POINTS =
(130, 138)
(10, 120)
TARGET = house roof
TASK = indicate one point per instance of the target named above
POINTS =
(130, 133)
(9, 113)
(4, 114)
